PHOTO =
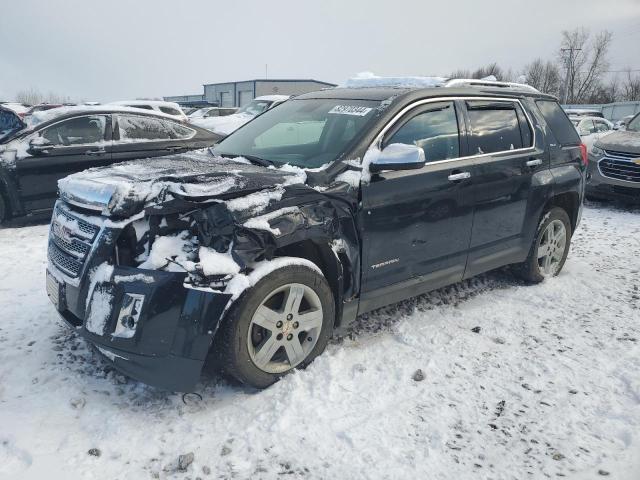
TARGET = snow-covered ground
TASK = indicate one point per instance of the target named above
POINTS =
(518, 382)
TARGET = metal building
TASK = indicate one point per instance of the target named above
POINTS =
(188, 100)
(238, 94)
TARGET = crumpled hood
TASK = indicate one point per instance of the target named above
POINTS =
(622, 141)
(126, 188)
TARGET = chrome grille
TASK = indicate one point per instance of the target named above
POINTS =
(88, 230)
(63, 261)
(75, 247)
(620, 166)
(70, 241)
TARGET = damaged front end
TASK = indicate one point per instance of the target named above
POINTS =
(150, 289)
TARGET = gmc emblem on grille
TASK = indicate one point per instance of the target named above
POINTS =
(63, 232)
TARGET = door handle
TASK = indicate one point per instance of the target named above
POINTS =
(454, 177)
(96, 152)
(178, 148)
(534, 162)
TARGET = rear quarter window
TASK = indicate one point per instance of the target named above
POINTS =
(558, 122)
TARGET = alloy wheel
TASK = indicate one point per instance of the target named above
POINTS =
(551, 248)
(285, 328)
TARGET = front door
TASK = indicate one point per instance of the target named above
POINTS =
(501, 138)
(66, 147)
(416, 224)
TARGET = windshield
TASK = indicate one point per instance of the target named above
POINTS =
(255, 107)
(634, 125)
(305, 133)
(199, 113)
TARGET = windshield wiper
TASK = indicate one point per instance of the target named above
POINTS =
(263, 162)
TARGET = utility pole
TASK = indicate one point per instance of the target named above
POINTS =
(568, 64)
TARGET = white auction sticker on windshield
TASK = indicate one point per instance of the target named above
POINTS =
(350, 110)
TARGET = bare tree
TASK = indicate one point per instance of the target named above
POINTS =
(585, 60)
(33, 96)
(605, 92)
(631, 87)
(485, 71)
(543, 75)
(29, 96)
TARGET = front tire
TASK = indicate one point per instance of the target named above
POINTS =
(549, 249)
(281, 323)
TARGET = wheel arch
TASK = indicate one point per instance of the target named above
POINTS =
(334, 266)
(569, 202)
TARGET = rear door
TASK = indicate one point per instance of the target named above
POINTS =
(143, 136)
(74, 144)
(501, 139)
(417, 223)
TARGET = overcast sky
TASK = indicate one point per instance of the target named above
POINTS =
(118, 49)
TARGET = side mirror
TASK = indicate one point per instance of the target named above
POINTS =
(398, 156)
(39, 146)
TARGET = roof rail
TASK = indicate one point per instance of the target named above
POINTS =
(471, 82)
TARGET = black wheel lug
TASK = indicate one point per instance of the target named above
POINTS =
(289, 337)
(279, 336)
(290, 316)
(309, 339)
(279, 324)
(296, 324)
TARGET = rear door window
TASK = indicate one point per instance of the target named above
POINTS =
(434, 129)
(139, 128)
(602, 126)
(494, 127)
(144, 107)
(558, 122)
(586, 127)
(169, 111)
(85, 130)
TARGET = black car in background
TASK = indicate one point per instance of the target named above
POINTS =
(34, 155)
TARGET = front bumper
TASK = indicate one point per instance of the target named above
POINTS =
(604, 187)
(174, 331)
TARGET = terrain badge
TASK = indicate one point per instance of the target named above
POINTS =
(385, 263)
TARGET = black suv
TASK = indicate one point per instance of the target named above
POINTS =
(328, 206)
(36, 153)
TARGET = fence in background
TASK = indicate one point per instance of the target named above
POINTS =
(611, 111)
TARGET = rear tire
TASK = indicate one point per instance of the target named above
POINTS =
(282, 323)
(4, 210)
(549, 249)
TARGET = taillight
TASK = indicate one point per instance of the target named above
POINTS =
(585, 156)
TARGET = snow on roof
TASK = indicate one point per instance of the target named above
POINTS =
(273, 98)
(157, 103)
(16, 107)
(368, 79)
(588, 117)
(46, 115)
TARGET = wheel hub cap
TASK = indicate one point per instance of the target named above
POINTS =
(284, 328)
(551, 248)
